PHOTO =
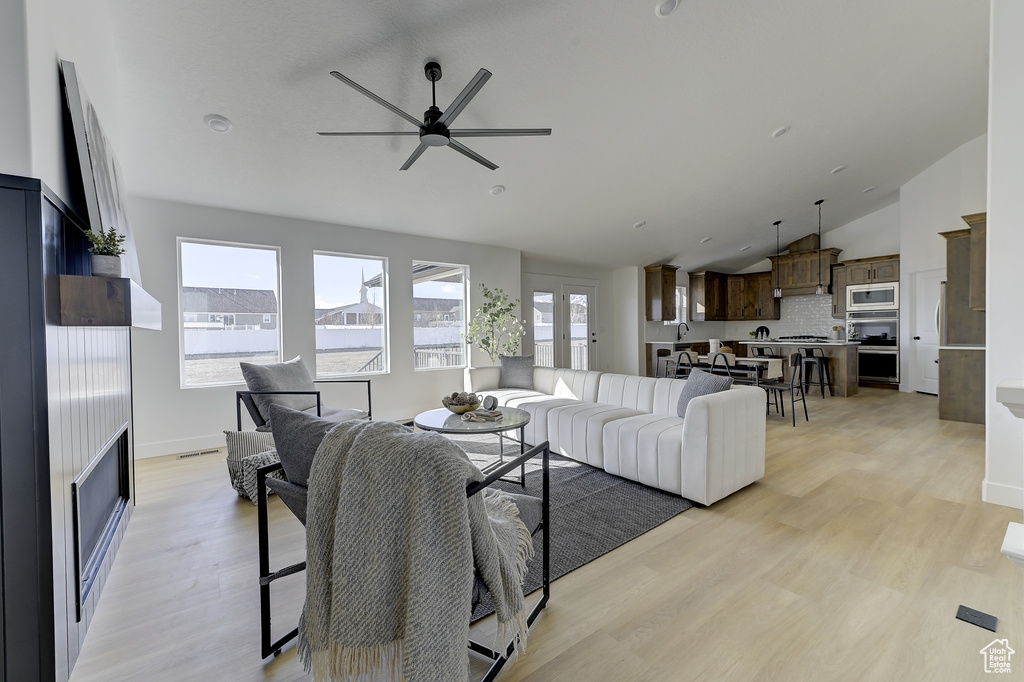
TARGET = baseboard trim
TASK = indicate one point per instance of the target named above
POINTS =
(176, 447)
(1005, 495)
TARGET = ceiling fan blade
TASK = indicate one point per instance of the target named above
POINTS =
(383, 102)
(466, 151)
(411, 132)
(498, 132)
(467, 94)
(415, 155)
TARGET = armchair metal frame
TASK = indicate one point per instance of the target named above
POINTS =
(267, 576)
(246, 398)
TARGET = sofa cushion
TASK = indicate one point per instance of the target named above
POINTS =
(516, 372)
(279, 376)
(575, 429)
(701, 383)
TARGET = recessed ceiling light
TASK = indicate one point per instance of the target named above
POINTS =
(869, 189)
(705, 240)
(745, 248)
(217, 123)
(637, 226)
(779, 132)
(665, 8)
(497, 189)
(837, 169)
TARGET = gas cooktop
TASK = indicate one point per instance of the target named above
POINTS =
(803, 337)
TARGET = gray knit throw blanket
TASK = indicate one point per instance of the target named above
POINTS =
(391, 543)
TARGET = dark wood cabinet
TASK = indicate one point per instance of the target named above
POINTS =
(708, 296)
(977, 294)
(839, 291)
(737, 300)
(715, 296)
(798, 272)
(660, 292)
(871, 270)
(964, 326)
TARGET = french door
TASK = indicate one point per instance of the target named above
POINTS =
(564, 328)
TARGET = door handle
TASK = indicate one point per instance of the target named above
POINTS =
(917, 338)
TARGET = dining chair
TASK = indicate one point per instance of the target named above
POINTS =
(777, 387)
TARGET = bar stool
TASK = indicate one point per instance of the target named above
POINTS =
(762, 351)
(815, 358)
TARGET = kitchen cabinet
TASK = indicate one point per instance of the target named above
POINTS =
(838, 291)
(737, 301)
(962, 384)
(964, 326)
(660, 292)
(977, 294)
(759, 294)
(871, 270)
(798, 272)
(708, 296)
(715, 296)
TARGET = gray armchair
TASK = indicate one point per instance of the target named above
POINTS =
(298, 435)
(289, 384)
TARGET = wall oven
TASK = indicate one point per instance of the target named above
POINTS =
(878, 355)
(881, 296)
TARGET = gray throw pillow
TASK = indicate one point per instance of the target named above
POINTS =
(280, 376)
(516, 372)
(297, 435)
(701, 383)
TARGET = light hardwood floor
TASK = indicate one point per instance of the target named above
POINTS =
(846, 562)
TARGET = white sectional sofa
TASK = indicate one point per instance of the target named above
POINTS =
(628, 426)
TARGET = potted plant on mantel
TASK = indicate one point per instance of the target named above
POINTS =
(106, 251)
(493, 322)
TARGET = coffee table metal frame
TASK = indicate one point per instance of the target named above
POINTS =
(444, 421)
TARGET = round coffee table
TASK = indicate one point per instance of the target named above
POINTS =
(444, 421)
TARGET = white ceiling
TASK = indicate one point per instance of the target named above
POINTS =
(663, 120)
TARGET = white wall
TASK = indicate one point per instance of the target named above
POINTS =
(15, 144)
(1004, 458)
(628, 326)
(79, 31)
(169, 419)
(876, 234)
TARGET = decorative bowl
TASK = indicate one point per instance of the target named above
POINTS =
(462, 409)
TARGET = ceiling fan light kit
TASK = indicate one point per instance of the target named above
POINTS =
(435, 130)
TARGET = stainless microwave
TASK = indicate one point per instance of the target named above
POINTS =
(880, 296)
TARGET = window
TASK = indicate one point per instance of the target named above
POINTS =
(351, 314)
(229, 309)
(680, 306)
(543, 324)
(439, 317)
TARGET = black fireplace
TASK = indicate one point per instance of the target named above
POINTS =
(99, 496)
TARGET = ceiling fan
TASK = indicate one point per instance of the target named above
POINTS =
(435, 131)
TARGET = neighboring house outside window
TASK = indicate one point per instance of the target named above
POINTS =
(229, 311)
(350, 314)
(439, 319)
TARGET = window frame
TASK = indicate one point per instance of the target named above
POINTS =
(386, 317)
(181, 304)
(465, 313)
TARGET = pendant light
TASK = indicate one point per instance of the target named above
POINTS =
(778, 252)
(819, 290)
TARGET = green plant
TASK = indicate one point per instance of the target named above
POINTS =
(495, 328)
(108, 243)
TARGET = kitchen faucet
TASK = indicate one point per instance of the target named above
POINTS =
(679, 334)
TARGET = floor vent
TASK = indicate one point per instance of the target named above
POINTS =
(198, 454)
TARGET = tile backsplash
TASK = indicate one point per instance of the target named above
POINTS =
(800, 315)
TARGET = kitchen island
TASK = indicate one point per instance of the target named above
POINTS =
(842, 355)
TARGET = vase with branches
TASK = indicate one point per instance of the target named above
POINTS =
(495, 327)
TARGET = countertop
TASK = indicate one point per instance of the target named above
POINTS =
(961, 347)
(798, 342)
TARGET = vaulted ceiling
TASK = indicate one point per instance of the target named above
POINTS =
(663, 120)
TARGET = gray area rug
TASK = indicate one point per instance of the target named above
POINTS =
(592, 512)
